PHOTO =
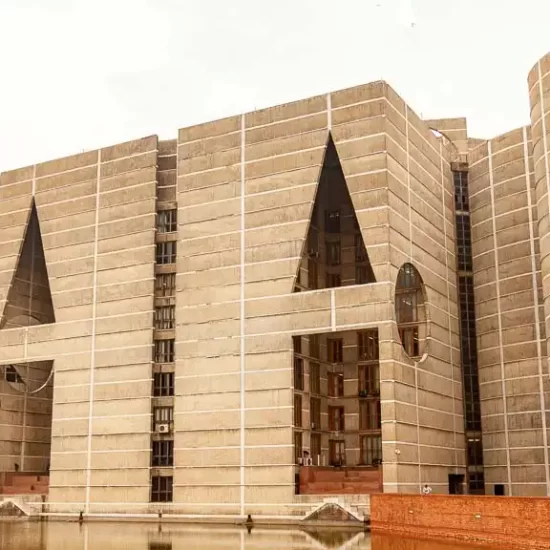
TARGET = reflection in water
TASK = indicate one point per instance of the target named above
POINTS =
(23, 535)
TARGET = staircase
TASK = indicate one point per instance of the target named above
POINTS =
(339, 481)
(26, 483)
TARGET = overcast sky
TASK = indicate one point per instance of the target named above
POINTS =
(81, 74)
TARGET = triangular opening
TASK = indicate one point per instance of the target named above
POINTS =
(29, 300)
(335, 253)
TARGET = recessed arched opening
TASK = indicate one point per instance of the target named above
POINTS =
(410, 311)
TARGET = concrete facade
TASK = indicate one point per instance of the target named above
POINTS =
(167, 301)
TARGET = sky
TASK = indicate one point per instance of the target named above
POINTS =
(83, 74)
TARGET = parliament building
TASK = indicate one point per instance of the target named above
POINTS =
(303, 304)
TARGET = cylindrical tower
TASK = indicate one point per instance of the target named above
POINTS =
(539, 97)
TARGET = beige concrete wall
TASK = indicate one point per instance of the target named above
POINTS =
(539, 99)
(509, 314)
(97, 213)
(236, 312)
(428, 431)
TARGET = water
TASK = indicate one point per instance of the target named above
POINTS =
(23, 535)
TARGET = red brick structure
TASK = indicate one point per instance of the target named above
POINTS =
(515, 522)
(340, 481)
(23, 483)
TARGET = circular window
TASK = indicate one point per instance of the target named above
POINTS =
(28, 378)
(410, 311)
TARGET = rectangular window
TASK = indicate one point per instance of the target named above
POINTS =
(407, 307)
(369, 415)
(298, 373)
(336, 419)
(337, 453)
(297, 344)
(161, 489)
(312, 274)
(315, 449)
(165, 285)
(313, 243)
(335, 350)
(335, 384)
(163, 454)
(314, 378)
(409, 338)
(334, 280)
(475, 452)
(315, 413)
(163, 384)
(367, 345)
(166, 253)
(164, 351)
(369, 380)
(298, 410)
(162, 415)
(362, 275)
(11, 375)
(360, 250)
(298, 447)
(314, 345)
(371, 450)
(167, 221)
(333, 252)
(165, 317)
(332, 221)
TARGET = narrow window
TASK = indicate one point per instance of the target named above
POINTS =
(314, 378)
(165, 317)
(297, 344)
(336, 419)
(335, 384)
(371, 450)
(163, 454)
(167, 221)
(333, 252)
(337, 453)
(165, 285)
(369, 380)
(335, 350)
(166, 253)
(369, 415)
(161, 489)
(163, 384)
(164, 351)
(297, 447)
(298, 373)
(315, 449)
(314, 346)
(298, 410)
(315, 413)
(313, 274)
(367, 344)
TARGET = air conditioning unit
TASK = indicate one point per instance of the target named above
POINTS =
(313, 426)
(163, 428)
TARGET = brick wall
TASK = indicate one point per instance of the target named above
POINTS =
(519, 522)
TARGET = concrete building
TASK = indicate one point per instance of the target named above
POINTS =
(328, 297)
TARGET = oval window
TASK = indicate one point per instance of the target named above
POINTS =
(410, 311)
